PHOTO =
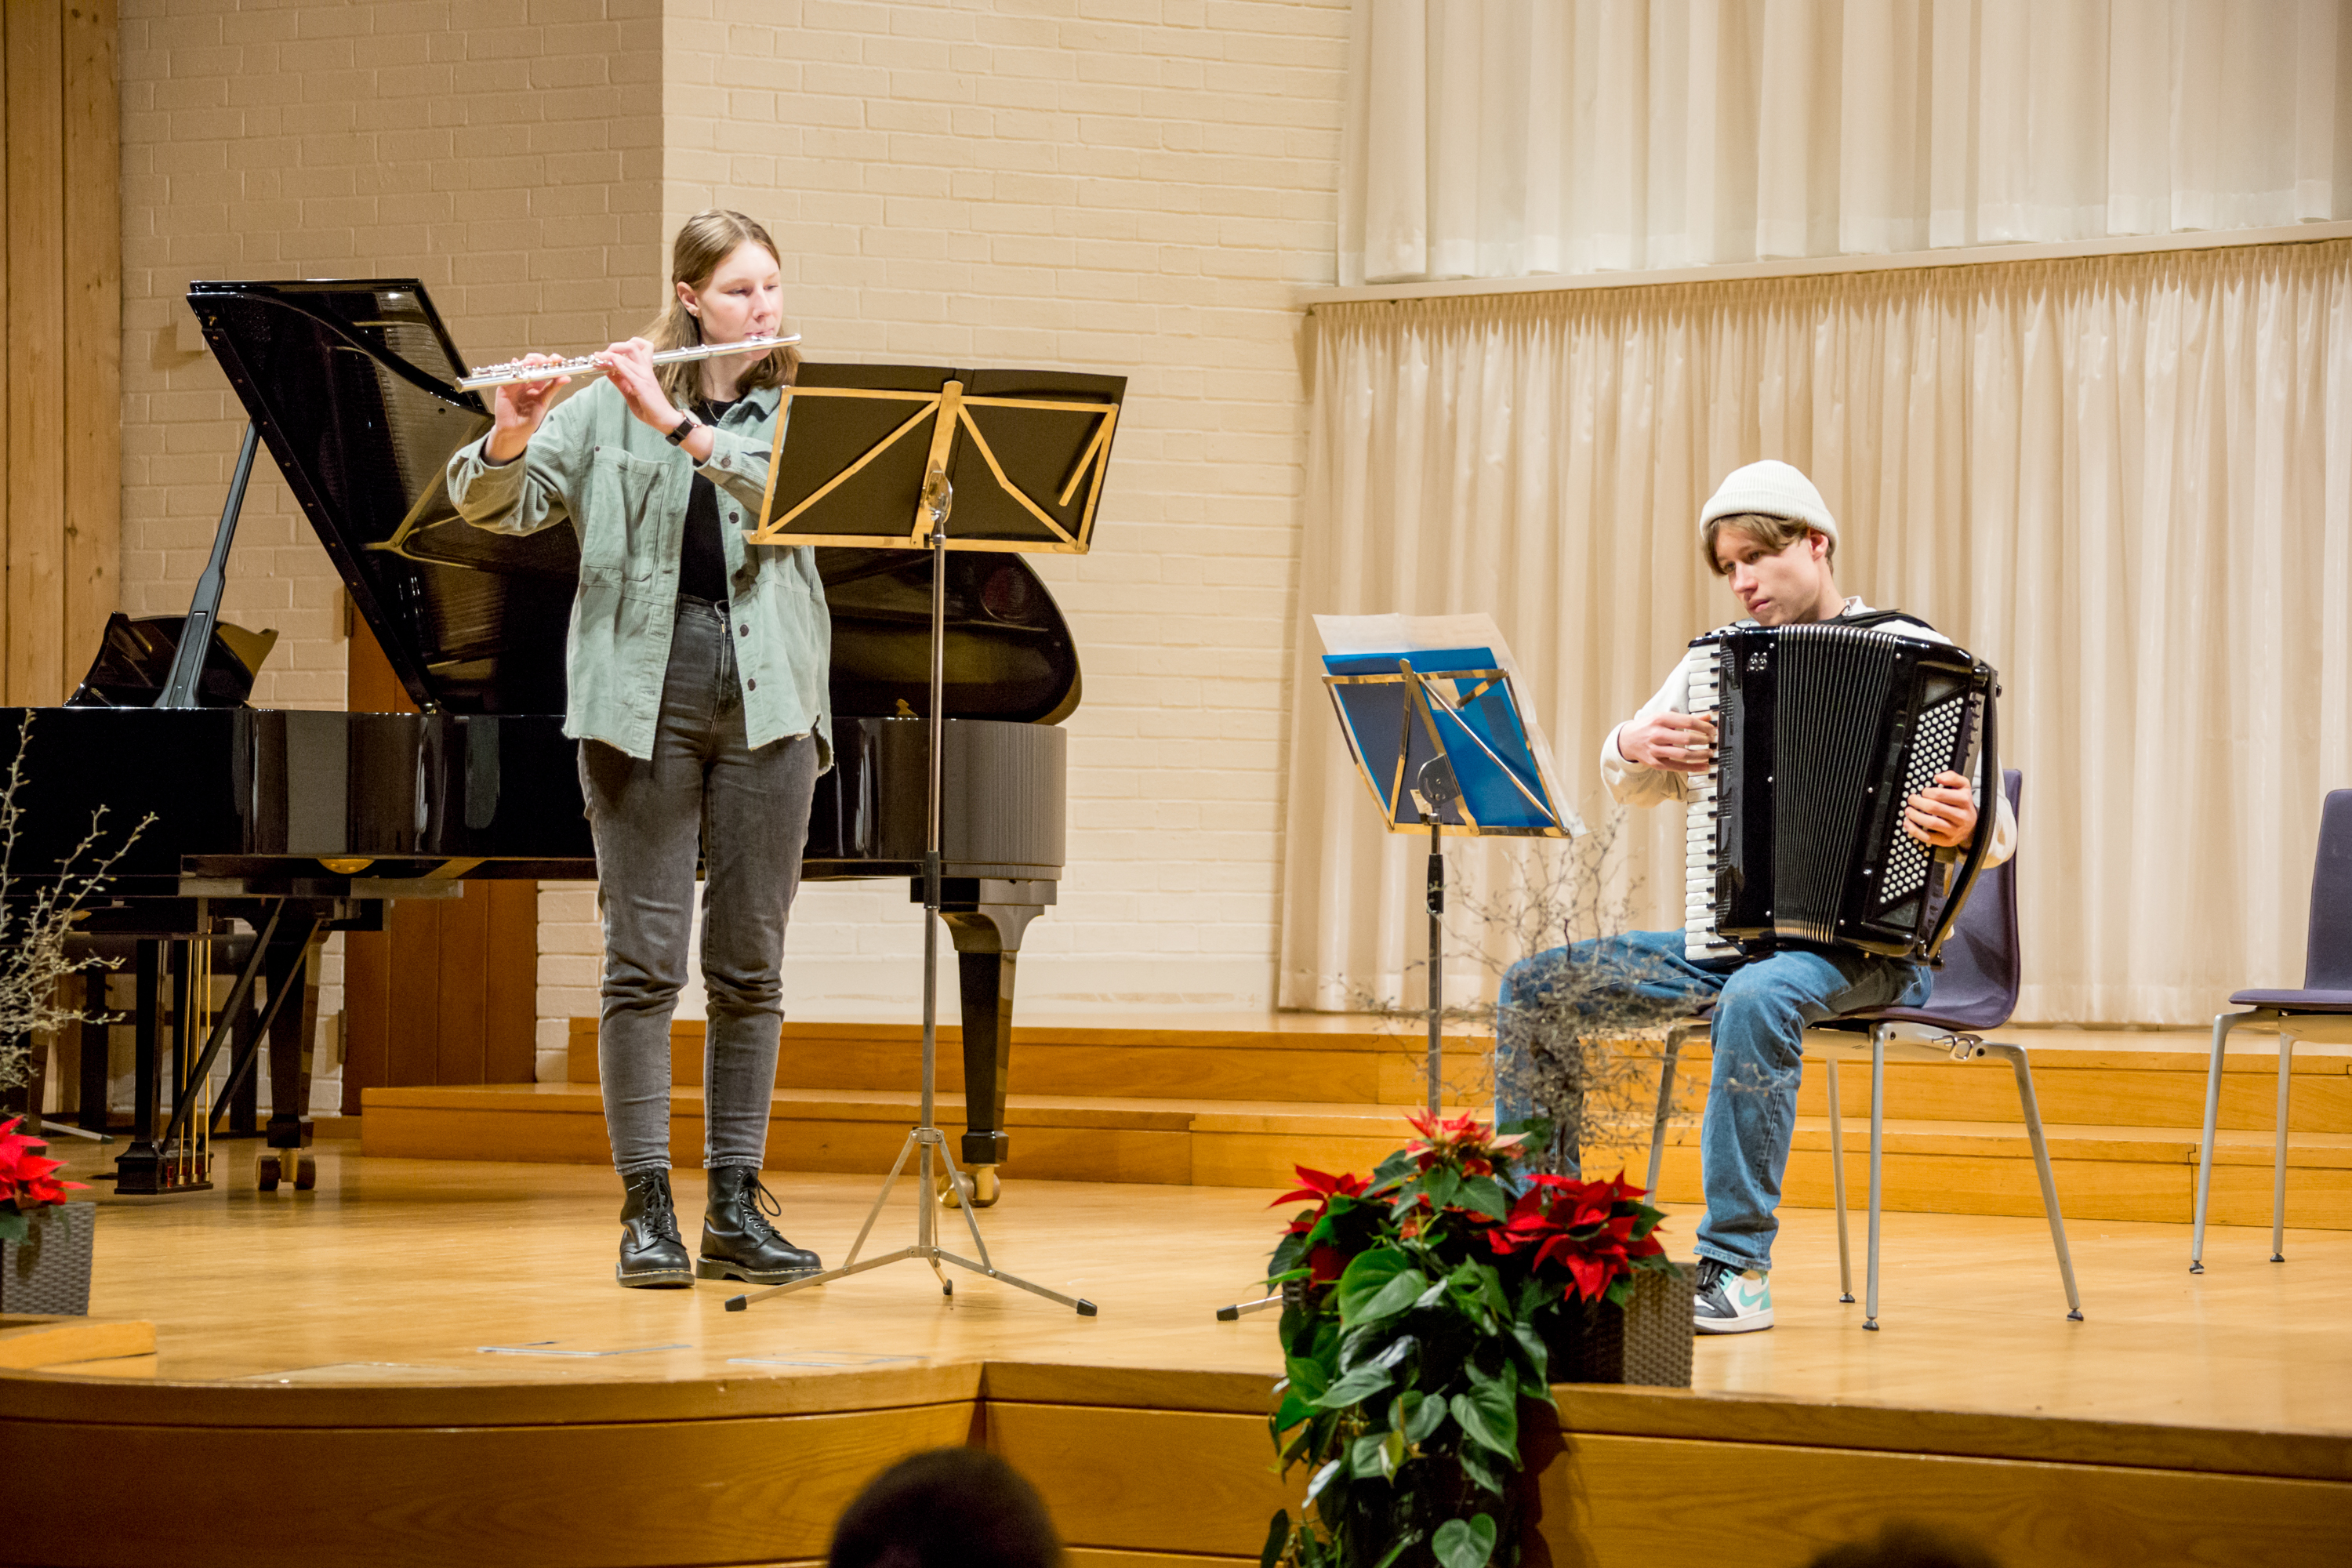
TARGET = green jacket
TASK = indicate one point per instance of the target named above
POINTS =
(624, 489)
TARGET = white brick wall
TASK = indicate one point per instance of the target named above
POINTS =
(506, 151)
(1124, 184)
(1133, 186)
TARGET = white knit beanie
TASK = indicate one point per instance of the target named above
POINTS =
(1774, 490)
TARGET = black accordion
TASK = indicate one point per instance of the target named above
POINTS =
(1823, 731)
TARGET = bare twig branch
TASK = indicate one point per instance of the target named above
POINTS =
(37, 917)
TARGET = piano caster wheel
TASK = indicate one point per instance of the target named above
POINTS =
(306, 1174)
(269, 1173)
(986, 1188)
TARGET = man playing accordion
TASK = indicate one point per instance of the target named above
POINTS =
(1768, 532)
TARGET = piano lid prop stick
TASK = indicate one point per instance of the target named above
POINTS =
(511, 371)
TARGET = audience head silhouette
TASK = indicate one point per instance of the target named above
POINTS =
(960, 1507)
(1905, 1544)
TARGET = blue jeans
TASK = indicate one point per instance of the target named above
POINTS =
(745, 812)
(1641, 980)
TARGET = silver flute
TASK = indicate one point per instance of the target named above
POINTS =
(511, 371)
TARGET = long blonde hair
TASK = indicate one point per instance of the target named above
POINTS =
(704, 241)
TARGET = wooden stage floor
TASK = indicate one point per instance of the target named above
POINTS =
(406, 1297)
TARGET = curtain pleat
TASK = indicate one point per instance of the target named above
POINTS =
(1508, 137)
(2126, 482)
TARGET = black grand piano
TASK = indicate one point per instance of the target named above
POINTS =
(270, 828)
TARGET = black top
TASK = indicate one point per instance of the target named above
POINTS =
(702, 555)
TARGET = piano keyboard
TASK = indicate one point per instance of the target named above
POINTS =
(1699, 938)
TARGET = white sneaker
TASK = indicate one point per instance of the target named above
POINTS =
(1729, 1302)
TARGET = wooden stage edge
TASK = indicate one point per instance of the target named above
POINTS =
(425, 1362)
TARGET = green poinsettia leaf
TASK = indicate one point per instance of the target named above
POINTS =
(1480, 1468)
(1396, 1167)
(1484, 1195)
(1400, 1293)
(1442, 1186)
(1490, 1415)
(1277, 1536)
(1355, 1387)
(1535, 1360)
(1369, 1274)
(14, 1226)
(1464, 1542)
(1369, 1456)
(1427, 1417)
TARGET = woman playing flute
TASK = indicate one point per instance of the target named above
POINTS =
(697, 664)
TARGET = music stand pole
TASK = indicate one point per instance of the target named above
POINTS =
(939, 499)
(1436, 957)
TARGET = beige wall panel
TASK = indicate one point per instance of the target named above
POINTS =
(36, 338)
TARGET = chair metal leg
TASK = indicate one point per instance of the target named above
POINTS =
(2278, 1163)
(1878, 1033)
(2032, 1108)
(1665, 1105)
(1837, 1185)
(2222, 1024)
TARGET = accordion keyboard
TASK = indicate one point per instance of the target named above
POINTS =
(1699, 939)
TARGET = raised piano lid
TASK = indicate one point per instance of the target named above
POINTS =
(353, 384)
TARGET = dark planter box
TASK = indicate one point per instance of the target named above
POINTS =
(1647, 1340)
(48, 1271)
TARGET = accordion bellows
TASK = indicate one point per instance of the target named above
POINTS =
(1823, 731)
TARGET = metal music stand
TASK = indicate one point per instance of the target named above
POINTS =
(1439, 738)
(875, 457)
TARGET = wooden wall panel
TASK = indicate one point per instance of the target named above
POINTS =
(461, 987)
(448, 993)
(93, 341)
(62, 255)
(36, 276)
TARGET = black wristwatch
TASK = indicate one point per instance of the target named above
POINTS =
(684, 427)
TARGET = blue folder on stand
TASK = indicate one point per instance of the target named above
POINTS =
(1399, 711)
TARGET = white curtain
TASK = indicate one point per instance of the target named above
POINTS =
(1502, 138)
(2125, 482)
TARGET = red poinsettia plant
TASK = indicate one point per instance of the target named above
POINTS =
(28, 1181)
(1421, 1307)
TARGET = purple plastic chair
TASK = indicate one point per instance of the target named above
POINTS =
(1976, 990)
(2322, 1008)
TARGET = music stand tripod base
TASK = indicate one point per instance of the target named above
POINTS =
(930, 1140)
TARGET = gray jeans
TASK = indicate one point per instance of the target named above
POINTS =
(747, 811)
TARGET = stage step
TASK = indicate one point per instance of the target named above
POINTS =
(1282, 1056)
(1239, 1102)
(1054, 1137)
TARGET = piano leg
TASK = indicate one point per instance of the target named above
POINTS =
(291, 1036)
(987, 936)
(95, 1040)
(245, 1087)
(142, 1167)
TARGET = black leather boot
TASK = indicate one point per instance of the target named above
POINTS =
(652, 1254)
(738, 1242)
